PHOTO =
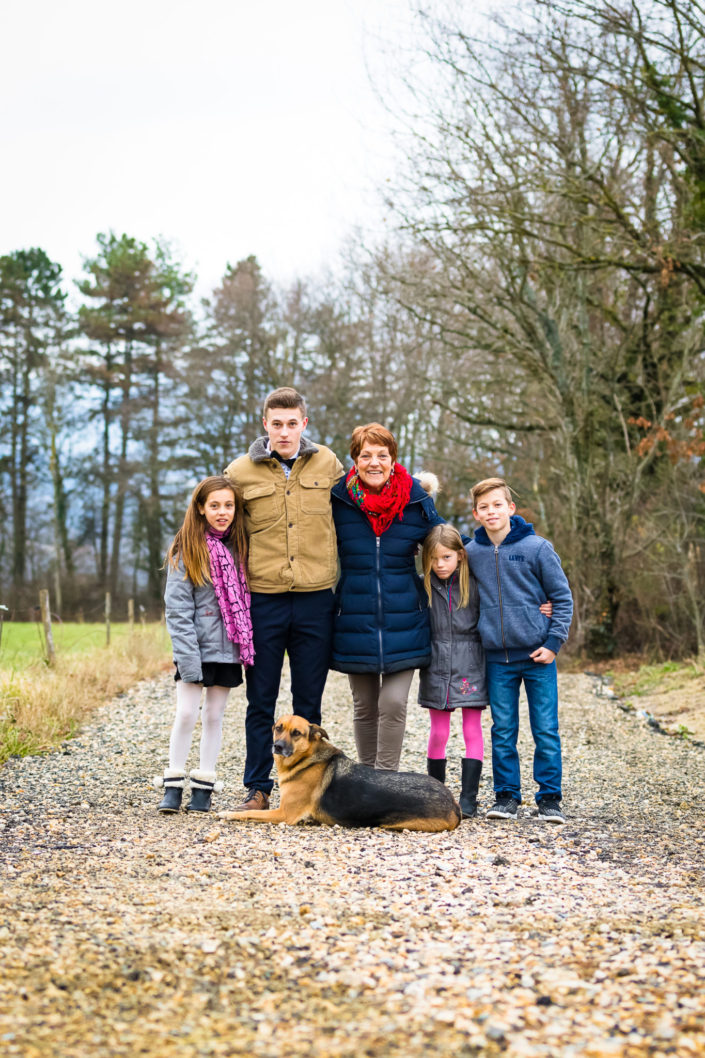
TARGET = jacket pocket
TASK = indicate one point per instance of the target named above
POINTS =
(260, 503)
(315, 494)
(490, 628)
(524, 626)
(537, 621)
(209, 630)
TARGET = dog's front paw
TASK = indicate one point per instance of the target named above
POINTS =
(226, 815)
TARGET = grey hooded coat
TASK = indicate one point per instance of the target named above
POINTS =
(196, 626)
(455, 679)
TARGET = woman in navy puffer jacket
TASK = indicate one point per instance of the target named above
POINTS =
(381, 631)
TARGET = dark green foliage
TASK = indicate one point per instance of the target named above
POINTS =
(32, 325)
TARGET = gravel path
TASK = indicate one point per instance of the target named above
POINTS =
(127, 933)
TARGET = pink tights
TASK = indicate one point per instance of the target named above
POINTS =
(440, 730)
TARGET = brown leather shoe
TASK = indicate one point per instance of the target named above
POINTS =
(254, 799)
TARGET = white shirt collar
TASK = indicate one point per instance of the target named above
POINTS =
(295, 455)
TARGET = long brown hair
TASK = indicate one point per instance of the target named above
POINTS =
(190, 545)
(446, 536)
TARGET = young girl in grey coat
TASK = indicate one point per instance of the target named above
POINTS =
(456, 676)
(208, 619)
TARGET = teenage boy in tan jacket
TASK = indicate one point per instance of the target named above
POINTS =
(286, 480)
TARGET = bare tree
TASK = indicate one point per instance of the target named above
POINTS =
(566, 317)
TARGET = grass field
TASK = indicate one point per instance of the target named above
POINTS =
(40, 705)
(22, 643)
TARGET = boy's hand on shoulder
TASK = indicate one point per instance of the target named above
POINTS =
(543, 656)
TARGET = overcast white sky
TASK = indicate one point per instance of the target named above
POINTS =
(227, 127)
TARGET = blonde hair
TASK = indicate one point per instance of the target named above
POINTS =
(190, 545)
(446, 536)
(488, 485)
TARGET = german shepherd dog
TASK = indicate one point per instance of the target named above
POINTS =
(318, 782)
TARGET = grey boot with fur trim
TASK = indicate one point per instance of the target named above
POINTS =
(173, 783)
(202, 786)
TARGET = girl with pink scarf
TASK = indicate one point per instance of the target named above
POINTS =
(208, 619)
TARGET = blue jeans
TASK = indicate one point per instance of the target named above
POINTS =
(541, 684)
(300, 624)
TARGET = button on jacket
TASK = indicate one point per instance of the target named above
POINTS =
(288, 520)
(381, 622)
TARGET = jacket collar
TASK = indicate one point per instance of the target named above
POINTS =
(442, 585)
(519, 529)
(340, 491)
(258, 449)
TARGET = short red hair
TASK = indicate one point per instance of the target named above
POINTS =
(373, 433)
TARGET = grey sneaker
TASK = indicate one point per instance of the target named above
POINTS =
(550, 810)
(505, 807)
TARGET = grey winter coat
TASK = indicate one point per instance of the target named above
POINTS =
(456, 676)
(196, 626)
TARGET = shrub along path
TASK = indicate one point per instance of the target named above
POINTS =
(126, 933)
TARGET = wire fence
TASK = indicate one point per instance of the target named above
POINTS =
(44, 620)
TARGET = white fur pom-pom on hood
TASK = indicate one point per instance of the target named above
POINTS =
(429, 482)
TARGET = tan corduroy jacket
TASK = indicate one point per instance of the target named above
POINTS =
(289, 521)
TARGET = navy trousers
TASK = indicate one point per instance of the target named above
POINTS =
(299, 624)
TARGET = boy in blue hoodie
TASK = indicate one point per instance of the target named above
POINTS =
(516, 571)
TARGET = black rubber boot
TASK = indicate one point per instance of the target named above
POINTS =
(200, 800)
(173, 783)
(202, 784)
(470, 784)
(436, 768)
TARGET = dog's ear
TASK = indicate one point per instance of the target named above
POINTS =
(315, 731)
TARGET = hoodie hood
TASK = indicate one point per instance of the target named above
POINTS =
(519, 530)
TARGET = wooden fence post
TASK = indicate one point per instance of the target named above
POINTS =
(46, 621)
(131, 614)
(107, 618)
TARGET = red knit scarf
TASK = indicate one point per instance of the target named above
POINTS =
(382, 507)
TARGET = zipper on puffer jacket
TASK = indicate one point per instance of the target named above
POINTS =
(450, 626)
(379, 602)
(499, 592)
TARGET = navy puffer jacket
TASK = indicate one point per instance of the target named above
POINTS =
(381, 622)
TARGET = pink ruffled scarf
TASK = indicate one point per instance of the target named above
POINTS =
(232, 594)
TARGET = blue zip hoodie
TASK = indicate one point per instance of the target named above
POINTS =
(514, 578)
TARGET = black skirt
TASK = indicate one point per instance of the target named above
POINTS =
(218, 674)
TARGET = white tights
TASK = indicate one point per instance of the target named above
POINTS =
(188, 698)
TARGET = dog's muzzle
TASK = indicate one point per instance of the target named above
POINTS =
(284, 749)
